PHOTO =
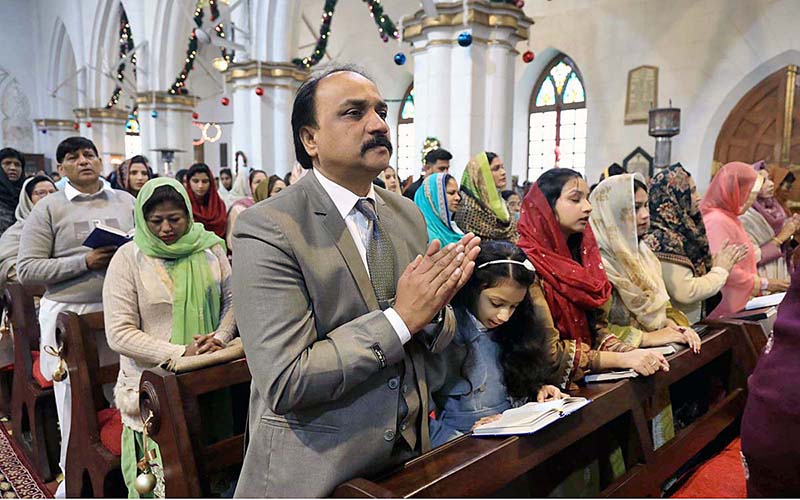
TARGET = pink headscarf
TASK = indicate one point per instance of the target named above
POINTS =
(729, 191)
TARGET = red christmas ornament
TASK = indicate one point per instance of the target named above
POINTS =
(528, 56)
(88, 124)
(520, 3)
(225, 101)
(259, 91)
(76, 126)
(195, 115)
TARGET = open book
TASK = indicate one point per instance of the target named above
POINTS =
(106, 236)
(610, 376)
(531, 417)
(765, 301)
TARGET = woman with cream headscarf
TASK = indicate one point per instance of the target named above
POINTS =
(732, 191)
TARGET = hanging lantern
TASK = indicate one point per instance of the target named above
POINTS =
(88, 124)
(528, 56)
(225, 101)
(76, 126)
(154, 113)
(465, 39)
(259, 91)
(195, 116)
(399, 59)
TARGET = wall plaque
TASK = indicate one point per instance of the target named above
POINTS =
(642, 94)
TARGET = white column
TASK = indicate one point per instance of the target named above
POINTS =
(464, 95)
(262, 124)
(170, 130)
(107, 132)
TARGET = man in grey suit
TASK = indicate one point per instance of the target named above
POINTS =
(332, 285)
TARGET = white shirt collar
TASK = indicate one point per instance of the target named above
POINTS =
(71, 192)
(344, 199)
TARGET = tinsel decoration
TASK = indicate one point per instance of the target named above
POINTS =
(220, 29)
(429, 145)
(125, 46)
(386, 29)
(179, 87)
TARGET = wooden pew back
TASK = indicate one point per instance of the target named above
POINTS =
(469, 466)
(176, 425)
(34, 419)
(86, 455)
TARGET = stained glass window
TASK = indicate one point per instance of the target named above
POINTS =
(407, 158)
(557, 121)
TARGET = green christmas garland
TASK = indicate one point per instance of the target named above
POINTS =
(386, 28)
(125, 46)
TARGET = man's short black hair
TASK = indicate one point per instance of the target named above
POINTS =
(437, 154)
(225, 171)
(73, 144)
(12, 153)
(304, 108)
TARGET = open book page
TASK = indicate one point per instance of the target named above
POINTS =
(765, 301)
(610, 376)
(531, 417)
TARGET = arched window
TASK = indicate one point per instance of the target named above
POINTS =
(557, 120)
(407, 158)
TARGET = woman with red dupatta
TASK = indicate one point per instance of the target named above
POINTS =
(732, 191)
(572, 298)
(207, 207)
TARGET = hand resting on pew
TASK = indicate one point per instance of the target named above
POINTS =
(673, 333)
(204, 344)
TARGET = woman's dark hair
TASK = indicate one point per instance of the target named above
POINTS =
(523, 356)
(12, 153)
(225, 171)
(508, 193)
(790, 178)
(271, 183)
(180, 175)
(198, 168)
(613, 169)
(164, 194)
(252, 176)
(552, 181)
(637, 185)
(34, 181)
(490, 156)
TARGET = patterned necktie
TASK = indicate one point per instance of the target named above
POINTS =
(380, 255)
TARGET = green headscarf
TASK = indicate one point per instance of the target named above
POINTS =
(196, 301)
(478, 181)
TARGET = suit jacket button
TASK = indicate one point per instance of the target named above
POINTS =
(388, 435)
(394, 383)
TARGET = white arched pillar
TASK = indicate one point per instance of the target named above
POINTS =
(464, 95)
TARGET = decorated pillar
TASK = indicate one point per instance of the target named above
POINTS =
(464, 73)
(106, 128)
(51, 132)
(262, 97)
(166, 130)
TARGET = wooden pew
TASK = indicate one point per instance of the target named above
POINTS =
(469, 467)
(176, 424)
(92, 469)
(34, 420)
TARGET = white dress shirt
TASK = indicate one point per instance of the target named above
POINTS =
(358, 225)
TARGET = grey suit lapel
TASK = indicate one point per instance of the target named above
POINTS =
(333, 223)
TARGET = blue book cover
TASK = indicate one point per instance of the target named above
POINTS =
(105, 236)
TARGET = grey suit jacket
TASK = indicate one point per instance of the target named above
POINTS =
(322, 410)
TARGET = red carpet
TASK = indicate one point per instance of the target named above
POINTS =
(719, 477)
(17, 479)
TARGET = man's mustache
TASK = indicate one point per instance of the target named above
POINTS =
(376, 141)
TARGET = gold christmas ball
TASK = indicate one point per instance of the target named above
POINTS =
(60, 373)
(145, 483)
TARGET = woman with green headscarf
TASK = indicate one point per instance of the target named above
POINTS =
(167, 294)
(482, 210)
(438, 198)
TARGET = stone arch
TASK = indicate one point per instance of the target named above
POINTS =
(103, 54)
(16, 124)
(62, 67)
